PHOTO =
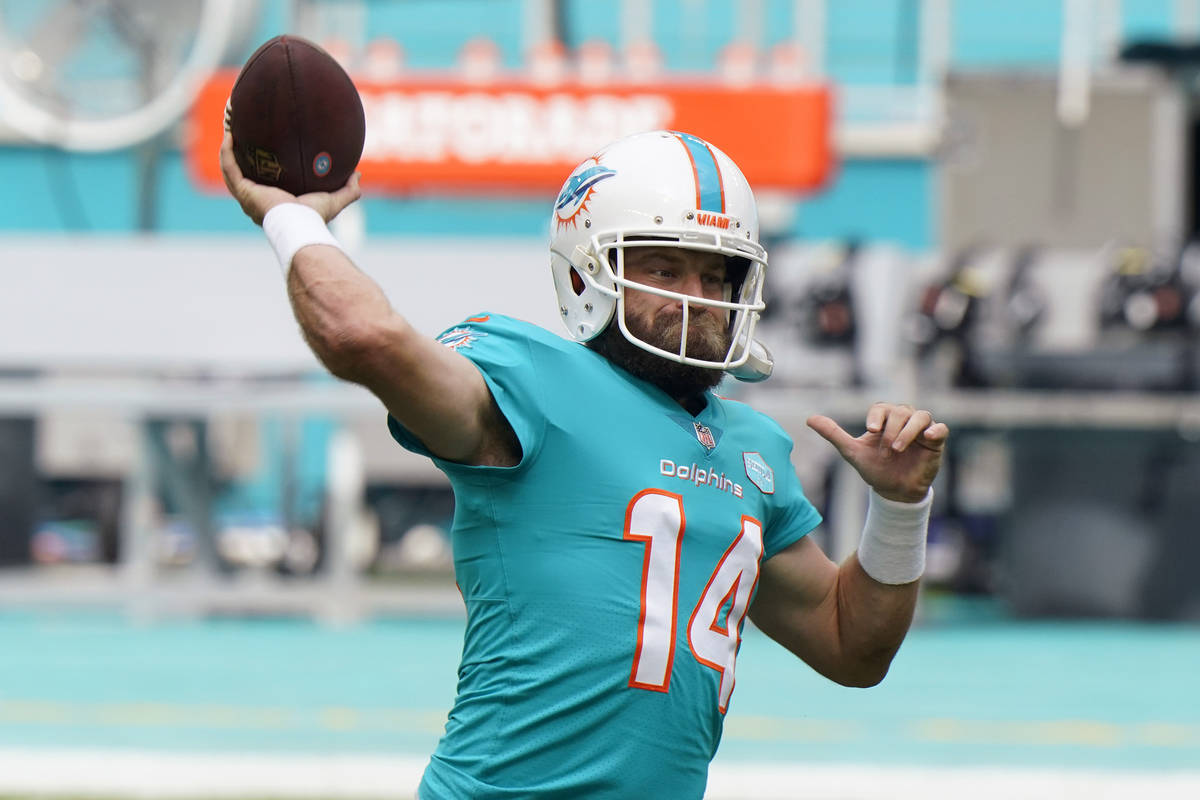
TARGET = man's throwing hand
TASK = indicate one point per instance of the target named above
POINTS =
(899, 454)
(257, 199)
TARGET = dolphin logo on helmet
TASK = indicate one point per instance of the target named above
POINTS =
(578, 188)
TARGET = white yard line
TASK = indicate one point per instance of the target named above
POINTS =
(128, 774)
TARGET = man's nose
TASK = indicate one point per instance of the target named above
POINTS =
(692, 285)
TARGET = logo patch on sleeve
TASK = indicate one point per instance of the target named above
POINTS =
(759, 473)
(460, 338)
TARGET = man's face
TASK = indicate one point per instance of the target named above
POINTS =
(658, 320)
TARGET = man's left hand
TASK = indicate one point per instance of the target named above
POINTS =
(899, 454)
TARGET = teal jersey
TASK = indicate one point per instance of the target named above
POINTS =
(606, 576)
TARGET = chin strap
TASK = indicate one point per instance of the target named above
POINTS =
(757, 367)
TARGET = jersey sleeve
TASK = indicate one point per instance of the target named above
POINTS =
(795, 516)
(503, 354)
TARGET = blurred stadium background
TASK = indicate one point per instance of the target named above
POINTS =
(219, 577)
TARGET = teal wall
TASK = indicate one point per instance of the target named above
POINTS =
(99, 193)
(869, 42)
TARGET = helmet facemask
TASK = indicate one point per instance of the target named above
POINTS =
(740, 305)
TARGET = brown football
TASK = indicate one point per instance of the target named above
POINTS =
(296, 118)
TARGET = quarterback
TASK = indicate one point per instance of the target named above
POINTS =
(616, 521)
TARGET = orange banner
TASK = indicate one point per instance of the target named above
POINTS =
(448, 136)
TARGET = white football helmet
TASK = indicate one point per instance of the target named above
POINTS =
(661, 189)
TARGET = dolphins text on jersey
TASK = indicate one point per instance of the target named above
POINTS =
(699, 476)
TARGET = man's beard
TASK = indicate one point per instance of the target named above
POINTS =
(708, 340)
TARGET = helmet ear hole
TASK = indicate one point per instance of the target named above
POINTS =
(576, 282)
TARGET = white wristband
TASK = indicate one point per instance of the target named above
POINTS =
(290, 226)
(893, 541)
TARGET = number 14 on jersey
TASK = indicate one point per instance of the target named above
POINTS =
(656, 518)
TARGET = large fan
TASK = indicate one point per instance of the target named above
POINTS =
(96, 75)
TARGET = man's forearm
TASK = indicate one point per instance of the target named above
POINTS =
(873, 619)
(339, 308)
(877, 586)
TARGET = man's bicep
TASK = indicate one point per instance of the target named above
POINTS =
(795, 590)
(441, 397)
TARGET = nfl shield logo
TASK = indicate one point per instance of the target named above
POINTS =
(704, 434)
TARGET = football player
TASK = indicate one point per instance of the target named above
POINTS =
(616, 521)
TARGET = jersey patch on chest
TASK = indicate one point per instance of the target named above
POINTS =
(759, 472)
